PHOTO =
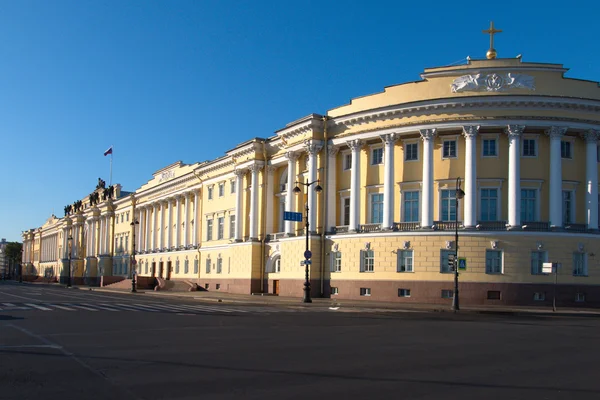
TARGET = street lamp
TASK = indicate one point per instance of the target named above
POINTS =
(133, 262)
(307, 253)
(458, 194)
(70, 244)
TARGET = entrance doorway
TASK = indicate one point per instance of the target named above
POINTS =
(160, 269)
(153, 269)
(169, 267)
(276, 287)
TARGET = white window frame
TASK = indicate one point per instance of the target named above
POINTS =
(537, 203)
(493, 137)
(209, 229)
(488, 271)
(207, 265)
(498, 199)
(232, 187)
(219, 265)
(210, 193)
(365, 291)
(402, 204)
(367, 261)
(539, 296)
(449, 293)
(374, 148)
(371, 207)
(336, 261)
(403, 292)
(536, 142)
(220, 227)
(440, 208)
(401, 257)
(342, 210)
(571, 141)
(584, 268)
(447, 139)
(573, 206)
(544, 258)
(346, 161)
(277, 265)
(221, 189)
(405, 144)
(580, 297)
(334, 290)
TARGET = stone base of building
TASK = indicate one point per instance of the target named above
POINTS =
(470, 293)
(241, 286)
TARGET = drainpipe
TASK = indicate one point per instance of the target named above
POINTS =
(324, 203)
(264, 218)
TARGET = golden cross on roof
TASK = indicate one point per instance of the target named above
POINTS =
(491, 54)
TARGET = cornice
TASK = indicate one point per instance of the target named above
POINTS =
(219, 164)
(474, 103)
(312, 123)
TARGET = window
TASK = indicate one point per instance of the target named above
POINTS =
(122, 218)
(146, 268)
(278, 265)
(126, 243)
(493, 261)
(377, 156)
(209, 229)
(347, 161)
(220, 227)
(447, 294)
(444, 261)
(219, 265)
(448, 205)
(489, 148)
(539, 296)
(411, 206)
(403, 292)
(529, 148)
(489, 204)
(493, 295)
(127, 217)
(177, 266)
(449, 149)
(210, 193)
(346, 215)
(206, 286)
(221, 189)
(538, 258)
(232, 186)
(231, 226)
(208, 265)
(566, 149)
(218, 286)
(336, 262)
(404, 262)
(367, 260)
(580, 264)
(334, 291)
(411, 152)
(196, 266)
(580, 297)
(567, 207)
(365, 291)
(186, 267)
(528, 205)
(377, 208)
(125, 267)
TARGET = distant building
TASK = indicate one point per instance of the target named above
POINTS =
(3, 259)
(520, 137)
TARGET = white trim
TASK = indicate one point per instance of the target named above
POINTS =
(490, 136)
(535, 138)
(498, 201)
(372, 148)
(406, 142)
(451, 138)
(370, 207)
(342, 198)
(538, 202)
(403, 209)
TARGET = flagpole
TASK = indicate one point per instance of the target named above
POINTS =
(111, 155)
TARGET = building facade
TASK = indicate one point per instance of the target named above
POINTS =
(520, 139)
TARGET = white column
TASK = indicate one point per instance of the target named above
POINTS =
(140, 234)
(331, 187)
(290, 203)
(239, 175)
(270, 196)
(254, 220)
(312, 148)
(591, 177)
(153, 228)
(187, 220)
(170, 222)
(428, 136)
(355, 146)
(555, 191)
(470, 199)
(93, 252)
(147, 229)
(74, 241)
(101, 236)
(514, 133)
(178, 225)
(161, 225)
(109, 239)
(196, 223)
(388, 180)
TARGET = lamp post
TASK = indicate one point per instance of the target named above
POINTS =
(458, 194)
(70, 244)
(307, 253)
(133, 262)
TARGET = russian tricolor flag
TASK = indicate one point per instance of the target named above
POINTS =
(109, 151)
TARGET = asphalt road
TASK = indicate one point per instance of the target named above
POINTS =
(57, 343)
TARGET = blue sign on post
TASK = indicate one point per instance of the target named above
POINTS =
(462, 264)
(292, 216)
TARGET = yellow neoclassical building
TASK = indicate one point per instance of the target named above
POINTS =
(519, 138)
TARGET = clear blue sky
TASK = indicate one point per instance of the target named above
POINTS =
(188, 80)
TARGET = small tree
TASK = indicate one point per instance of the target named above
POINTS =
(13, 251)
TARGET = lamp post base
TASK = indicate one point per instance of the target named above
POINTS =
(306, 298)
(133, 286)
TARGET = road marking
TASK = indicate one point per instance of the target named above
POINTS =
(9, 304)
(128, 307)
(82, 307)
(20, 297)
(27, 346)
(106, 308)
(38, 307)
(61, 307)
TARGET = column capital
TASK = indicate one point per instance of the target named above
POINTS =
(355, 144)
(254, 168)
(332, 150)
(470, 131)
(292, 155)
(514, 131)
(313, 146)
(389, 138)
(556, 132)
(428, 134)
(240, 172)
(271, 169)
(591, 136)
